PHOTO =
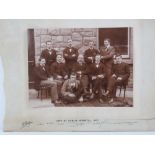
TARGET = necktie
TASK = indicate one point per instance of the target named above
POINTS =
(106, 49)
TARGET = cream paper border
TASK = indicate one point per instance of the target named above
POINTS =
(19, 116)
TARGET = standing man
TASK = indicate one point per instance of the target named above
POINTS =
(70, 55)
(121, 73)
(42, 78)
(107, 53)
(49, 54)
(89, 55)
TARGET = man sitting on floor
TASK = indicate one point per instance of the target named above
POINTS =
(72, 90)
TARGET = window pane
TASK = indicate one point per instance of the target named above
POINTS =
(118, 37)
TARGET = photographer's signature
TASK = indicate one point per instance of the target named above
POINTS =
(26, 124)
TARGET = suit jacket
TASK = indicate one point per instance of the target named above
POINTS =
(58, 69)
(50, 58)
(40, 74)
(79, 67)
(70, 55)
(108, 56)
(90, 53)
(122, 70)
(93, 70)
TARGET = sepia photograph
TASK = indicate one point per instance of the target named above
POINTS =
(78, 75)
(80, 67)
(77, 68)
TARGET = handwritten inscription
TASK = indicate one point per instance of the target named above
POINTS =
(75, 123)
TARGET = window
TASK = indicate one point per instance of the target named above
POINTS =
(120, 39)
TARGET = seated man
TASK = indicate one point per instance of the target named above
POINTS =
(42, 78)
(121, 73)
(72, 90)
(96, 72)
(79, 69)
(58, 72)
(58, 69)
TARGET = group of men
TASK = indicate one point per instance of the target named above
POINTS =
(74, 77)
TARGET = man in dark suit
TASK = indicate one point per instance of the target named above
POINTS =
(107, 53)
(89, 55)
(70, 55)
(49, 54)
(58, 69)
(96, 72)
(42, 78)
(79, 69)
(121, 73)
(59, 72)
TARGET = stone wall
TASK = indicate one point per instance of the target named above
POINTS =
(80, 37)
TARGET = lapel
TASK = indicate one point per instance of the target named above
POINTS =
(108, 49)
(42, 69)
(51, 51)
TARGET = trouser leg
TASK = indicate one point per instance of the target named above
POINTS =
(54, 92)
(118, 83)
(80, 91)
(108, 73)
(100, 86)
(108, 76)
(97, 86)
(59, 85)
(112, 87)
(84, 81)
